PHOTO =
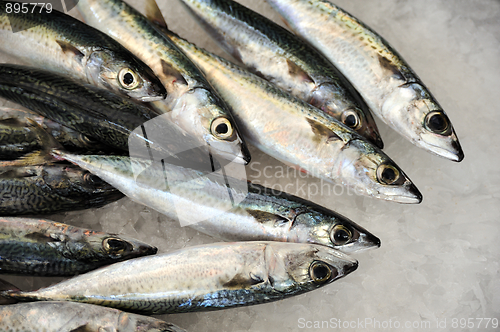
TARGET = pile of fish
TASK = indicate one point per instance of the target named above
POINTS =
(120, 105)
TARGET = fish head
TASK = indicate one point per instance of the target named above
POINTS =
(118, 247)
(297, 267)
(125, 75)
(369, 171)
(421, 119)
(199, 113)
(138, 323)
(333, 230)
(327, 98)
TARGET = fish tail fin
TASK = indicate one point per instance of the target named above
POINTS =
(153, 13)
(40, 157)
(6, 289)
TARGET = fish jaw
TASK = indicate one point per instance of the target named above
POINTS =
(360, 166)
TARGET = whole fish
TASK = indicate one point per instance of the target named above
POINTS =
(191, 102)
(76, 317)
(279, 56)
(301, 135)
(52, 188)
(18, 136)
(59, 42)
(47, 248)
(250, 213)
(99, 114)
(386, 82)
(206, 277)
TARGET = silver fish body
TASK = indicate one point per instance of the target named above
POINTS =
(61, 43)
(43, 247)
(301, 135)
(383, 78)
(72, 317)
(206, 277)
(191, 102)
(276, 54)
(250, 213)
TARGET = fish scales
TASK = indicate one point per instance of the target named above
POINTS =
(61, 43)
(73, 317)
(46, 248)
(50, 189)
(207, 277)
(301, 135)
(384, 79)
(254, 213)
(274, 53)
(191, 102)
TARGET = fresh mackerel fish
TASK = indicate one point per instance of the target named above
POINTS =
(20, 136)
(282, 58)
(76, 317)
(389, 86)
(102, 115)
(191, 102)
(47, 248)
(60, 43)
(226, 208)
(206, 277)
(301, 135)
(52, 188)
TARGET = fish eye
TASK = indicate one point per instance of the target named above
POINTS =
(340, 235)
(128, 79)
(320, 272)
(87, 140)
(387, 174)
(221, 128)
(114, 246)
(91, 178)
(351, 119)
(437, 122)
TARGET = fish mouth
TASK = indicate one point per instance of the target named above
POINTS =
(147, 99)
(453, 152)
(376, 140)
(411, 196)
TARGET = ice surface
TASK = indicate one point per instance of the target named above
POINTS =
(439, 261)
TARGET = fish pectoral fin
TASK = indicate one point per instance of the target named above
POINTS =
(168, 70)
(295, 71)
(153, 13)
(5, 289)
(84, 328)
(322, 131)
(268, 217)
(70, 49)
(388, 67)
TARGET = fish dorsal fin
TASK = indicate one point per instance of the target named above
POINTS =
(320, 130)
(295, 71)
(153, 13)
(168, 70)
(70, 49)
